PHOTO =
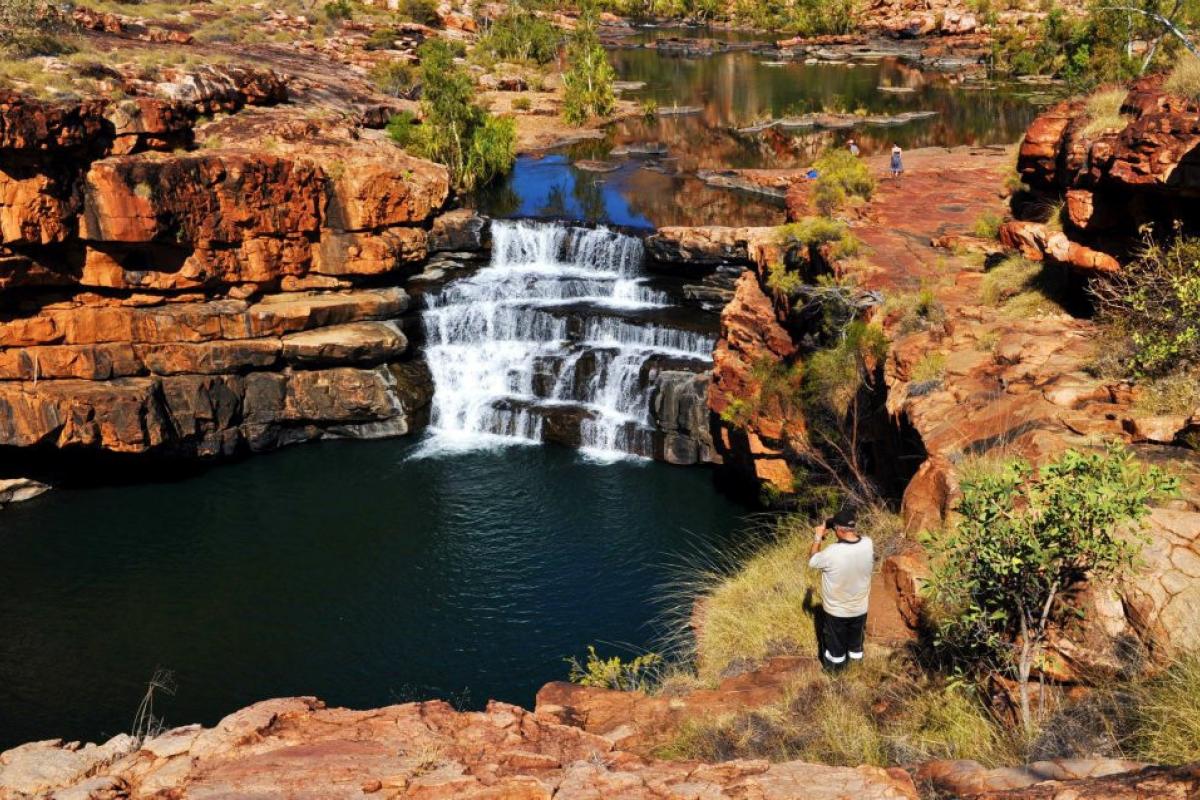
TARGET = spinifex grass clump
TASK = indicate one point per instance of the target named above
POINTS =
(1104, 112)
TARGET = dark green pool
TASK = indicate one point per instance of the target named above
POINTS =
(348, 570)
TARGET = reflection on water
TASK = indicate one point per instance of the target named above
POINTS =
(735, 90)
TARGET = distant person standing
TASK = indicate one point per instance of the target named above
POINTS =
(897, 163)
(853, 148)
(846, 566)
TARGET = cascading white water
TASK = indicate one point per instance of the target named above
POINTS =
(539, 332)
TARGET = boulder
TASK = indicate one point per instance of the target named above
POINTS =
(461, 230)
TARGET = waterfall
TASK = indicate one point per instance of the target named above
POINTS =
(552, 339)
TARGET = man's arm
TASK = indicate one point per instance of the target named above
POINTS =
(818, 537)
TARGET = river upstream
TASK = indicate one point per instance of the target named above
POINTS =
(469, 562)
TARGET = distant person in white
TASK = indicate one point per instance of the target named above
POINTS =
(845, 566)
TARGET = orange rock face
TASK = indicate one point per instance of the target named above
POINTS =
(183, 353)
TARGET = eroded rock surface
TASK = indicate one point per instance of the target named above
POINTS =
(209, 301)
(298, 748)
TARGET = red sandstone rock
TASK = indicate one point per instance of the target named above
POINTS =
(297, 748)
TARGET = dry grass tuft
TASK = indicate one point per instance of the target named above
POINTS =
(1104, 112)
(1184, 79)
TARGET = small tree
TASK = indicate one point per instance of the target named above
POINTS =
(1023, 540)
(475, 145)
(588, 83)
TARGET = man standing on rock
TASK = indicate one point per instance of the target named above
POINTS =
(846, 567)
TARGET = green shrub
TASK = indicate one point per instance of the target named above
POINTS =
(1184, 79)
(423, 12)
(914, 311)
(613, 673)
(382, 39)
(394, 78)
(782, 280)
(885, 712)
(1003, 575)
(27, 29)
(520, 35)
(403, 129)
(475, 145)
(1154, 303)
(338, 10)
(522, 104)
(841, 177)
(588, 82)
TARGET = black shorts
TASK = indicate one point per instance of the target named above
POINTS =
(841, 639)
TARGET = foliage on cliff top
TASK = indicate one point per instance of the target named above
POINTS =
(1184, 79)
(841, 178)
(805, 17)
(520, 35)
(28, 27)
(1024, 288)
(588, 81)
(1002, 575)
(1153, 306)
(475, 145)
(1093, 48)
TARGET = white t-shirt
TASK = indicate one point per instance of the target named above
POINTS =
(845, 576)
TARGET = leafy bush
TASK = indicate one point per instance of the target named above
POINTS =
(395, 78)
(1184, 79)
(1104, 112)
(840, 177)
(1002, 576)
(522, 104)
(931, 367)
(521, 35)
(403, 129)
(338, 10)
(1154, 303)
(27, 29)
(421, 11)
(382, 39)
(613, 673)
(475, 145)
(588, 83)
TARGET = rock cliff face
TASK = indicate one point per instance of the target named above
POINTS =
(1110, 183)
(157, 299)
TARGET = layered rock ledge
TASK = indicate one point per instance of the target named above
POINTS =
(202, 302)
